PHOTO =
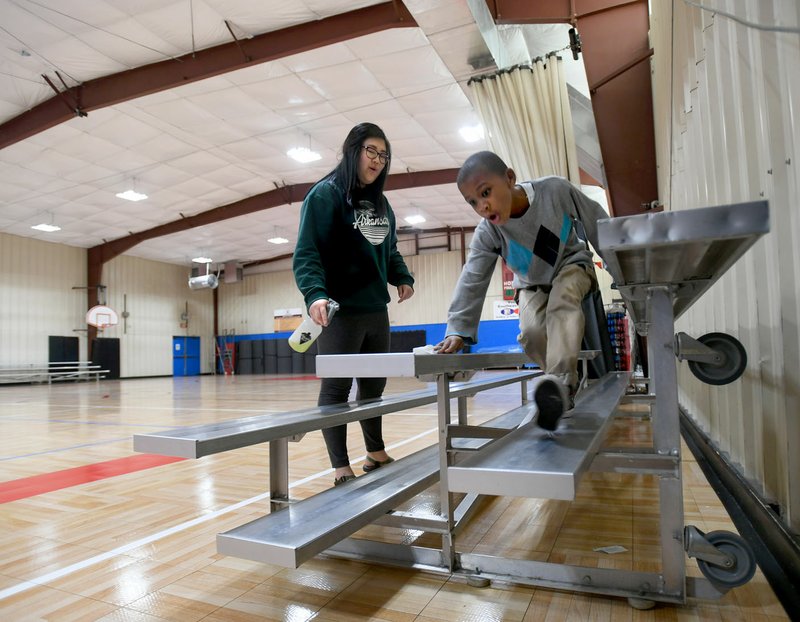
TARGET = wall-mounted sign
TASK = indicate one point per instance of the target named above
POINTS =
(505, 310)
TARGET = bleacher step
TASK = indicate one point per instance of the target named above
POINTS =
(306, 528)
(531, 462)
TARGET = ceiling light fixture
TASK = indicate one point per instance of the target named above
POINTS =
(202, 259)
(277, 238)
(303, 155)
(472, 133)
(46, 228)
(131, 195)
(414, 220)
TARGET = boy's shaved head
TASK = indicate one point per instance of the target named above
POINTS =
(482, 161)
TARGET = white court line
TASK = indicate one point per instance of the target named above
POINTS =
(72, 568)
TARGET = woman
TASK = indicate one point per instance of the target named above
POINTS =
(347, 251)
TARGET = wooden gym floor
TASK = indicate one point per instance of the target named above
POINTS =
(90, 530)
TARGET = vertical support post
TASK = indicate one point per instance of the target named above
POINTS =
(446, 499)
(666, 435)
(278, 473)
(462, 410)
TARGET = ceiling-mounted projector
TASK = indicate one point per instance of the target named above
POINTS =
(203, 282)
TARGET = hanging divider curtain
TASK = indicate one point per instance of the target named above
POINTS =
(525, 112)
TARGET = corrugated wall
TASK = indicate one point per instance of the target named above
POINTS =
(248, 307)
(436, 276)
(156, 295)
(37, 299)
(727, 109)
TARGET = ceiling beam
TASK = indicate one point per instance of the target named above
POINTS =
(403, 234)
(120, 87)
(616, 52)
(283, 195)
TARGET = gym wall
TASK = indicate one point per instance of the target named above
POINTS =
(726, 132)
(37, 299)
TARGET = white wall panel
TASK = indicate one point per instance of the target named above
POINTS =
(155, 295)
(37, 299)
(726, 98)
(436, 277)
(248, 307)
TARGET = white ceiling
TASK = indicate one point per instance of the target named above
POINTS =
(223, 139)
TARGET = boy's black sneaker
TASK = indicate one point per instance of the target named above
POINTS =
(551, 400)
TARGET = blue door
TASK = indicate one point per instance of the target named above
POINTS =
(186, 356)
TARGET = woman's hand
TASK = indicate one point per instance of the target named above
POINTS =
(404, 292)
(318, 311)
(450, 344)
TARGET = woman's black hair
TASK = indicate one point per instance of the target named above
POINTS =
(345, 175)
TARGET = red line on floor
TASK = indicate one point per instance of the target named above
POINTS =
(48, 482)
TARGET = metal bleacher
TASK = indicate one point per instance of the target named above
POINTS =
(52, 372)
(279, 429)
(661, 263)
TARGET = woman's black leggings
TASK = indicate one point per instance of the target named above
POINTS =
(353, 334)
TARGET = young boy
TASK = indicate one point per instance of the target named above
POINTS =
(532, 226)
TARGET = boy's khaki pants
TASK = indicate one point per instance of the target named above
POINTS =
(551, 322)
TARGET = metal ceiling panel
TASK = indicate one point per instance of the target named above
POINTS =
(220, 140)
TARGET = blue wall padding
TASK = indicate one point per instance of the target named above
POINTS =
(493, 335)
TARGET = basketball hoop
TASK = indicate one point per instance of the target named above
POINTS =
(101, 317)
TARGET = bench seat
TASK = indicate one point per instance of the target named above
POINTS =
(203, 440)
(531, 462)
(306, 528)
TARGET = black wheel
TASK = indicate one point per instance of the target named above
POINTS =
(744, 566)
(733, 364)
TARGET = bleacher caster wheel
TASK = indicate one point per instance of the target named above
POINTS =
(733, 364)
(744, 564)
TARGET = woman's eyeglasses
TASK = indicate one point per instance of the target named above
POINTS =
(373, 153)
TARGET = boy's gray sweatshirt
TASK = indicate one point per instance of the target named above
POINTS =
(535, 246)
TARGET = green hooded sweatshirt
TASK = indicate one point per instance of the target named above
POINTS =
(347, 252)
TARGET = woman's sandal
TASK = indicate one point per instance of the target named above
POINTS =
(343, 479)
(371, 464)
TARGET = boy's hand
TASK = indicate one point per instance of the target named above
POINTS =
(451, 344)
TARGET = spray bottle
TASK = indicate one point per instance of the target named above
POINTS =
(308, 331)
